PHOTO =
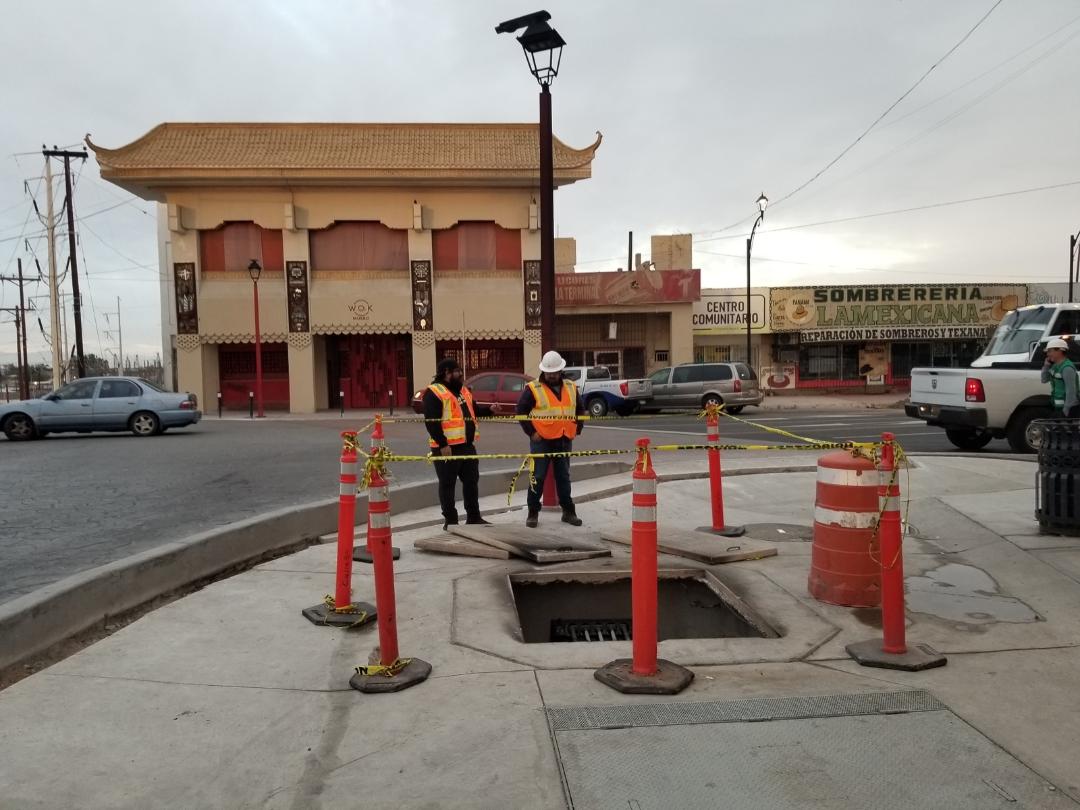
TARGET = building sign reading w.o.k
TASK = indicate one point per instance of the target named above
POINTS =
(902, 312)
(360, 309)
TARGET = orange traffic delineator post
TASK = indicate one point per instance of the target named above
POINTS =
(392, 673)
(844, 569)
(339, 610)
(716, 479)
(644, 674)
(892, 652)
(378, 441)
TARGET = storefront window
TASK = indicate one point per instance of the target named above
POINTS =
(935, 354)
(829, 361)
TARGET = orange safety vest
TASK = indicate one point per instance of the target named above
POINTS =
(453, 420)
(548, 406)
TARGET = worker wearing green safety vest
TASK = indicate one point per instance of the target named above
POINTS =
(1059, 371)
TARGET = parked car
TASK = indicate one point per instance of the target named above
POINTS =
(494, 392)
(100, 403)
(602, 393)
(695, 385)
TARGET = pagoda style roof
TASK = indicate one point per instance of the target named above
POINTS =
(215, 154)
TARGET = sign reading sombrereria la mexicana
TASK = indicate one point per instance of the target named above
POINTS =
(892, 312)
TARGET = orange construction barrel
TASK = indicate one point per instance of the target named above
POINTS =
(843, 571)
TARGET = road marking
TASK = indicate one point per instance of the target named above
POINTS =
(700, 433)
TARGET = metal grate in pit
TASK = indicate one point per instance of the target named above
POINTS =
(591, 630)
(579, 718)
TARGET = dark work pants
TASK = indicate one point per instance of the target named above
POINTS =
(449, 472)
(561, 465)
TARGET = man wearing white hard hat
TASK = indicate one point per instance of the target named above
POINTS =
(554, 407)
(1059, 371)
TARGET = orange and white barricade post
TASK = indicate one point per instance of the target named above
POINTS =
(339, 610)
(644, 674)
(391, 672)
(716, 479)
(378, 442)
(893, 651)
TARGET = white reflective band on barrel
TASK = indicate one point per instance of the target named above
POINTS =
(348, 468)
(846, 478)
(347, 489)
(379, 494)
(643, 514)
(378, 520)
(644, 486)
(889, 504)
(849, 520)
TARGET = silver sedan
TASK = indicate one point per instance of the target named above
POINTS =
(99, 403)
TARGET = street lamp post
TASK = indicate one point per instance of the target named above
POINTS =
(543, 52)
(1074, 261)
(762, 204)
(255, 270)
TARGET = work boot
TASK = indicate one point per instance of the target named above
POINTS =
(533, 519)
(477, 520)
(448, 523)
(570, 516)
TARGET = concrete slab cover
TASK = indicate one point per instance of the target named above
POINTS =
(702, 547)
(538, 545)
(451, 544)
(811, 752)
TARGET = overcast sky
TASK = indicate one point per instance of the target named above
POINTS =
(703, 105)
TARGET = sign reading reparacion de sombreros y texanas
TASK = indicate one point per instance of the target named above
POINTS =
(892, 312)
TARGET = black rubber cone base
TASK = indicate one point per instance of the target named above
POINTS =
(669, 679)
(918, 656)
(361, 614)
(727, 531)
(361, 554)
(416, 671)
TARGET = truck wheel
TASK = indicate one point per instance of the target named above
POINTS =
(597, 406)
(1024, 437)
(968, 439)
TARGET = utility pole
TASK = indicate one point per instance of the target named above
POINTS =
(20, 334)
(76, 298)
(54, 286)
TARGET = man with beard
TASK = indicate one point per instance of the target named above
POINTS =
(451, 422)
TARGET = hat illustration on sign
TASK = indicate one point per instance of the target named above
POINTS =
(799, 309)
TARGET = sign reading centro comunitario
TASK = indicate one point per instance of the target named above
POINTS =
(893, 312)
(722, 312)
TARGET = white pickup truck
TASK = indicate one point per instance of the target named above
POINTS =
(601, 393)
(1002, 393)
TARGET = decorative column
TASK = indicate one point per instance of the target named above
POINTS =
(303, 369)
(530, 280)
(184, 276)
(422, 287)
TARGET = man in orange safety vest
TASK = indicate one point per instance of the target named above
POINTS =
(451, 423)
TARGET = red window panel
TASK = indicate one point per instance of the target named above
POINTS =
(476, 246)
(232, 247)
(359, 246)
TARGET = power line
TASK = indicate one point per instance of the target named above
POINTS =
(926, 207)
(890, 108)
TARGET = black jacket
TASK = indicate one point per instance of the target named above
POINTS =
(433, 410)
(527, 402)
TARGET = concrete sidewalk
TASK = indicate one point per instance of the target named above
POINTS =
(229, 698)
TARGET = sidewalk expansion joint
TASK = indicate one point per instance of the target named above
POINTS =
(127, 679)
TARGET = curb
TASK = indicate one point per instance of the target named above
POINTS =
(31, 624)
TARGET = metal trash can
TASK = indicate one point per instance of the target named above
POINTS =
(1057, 485)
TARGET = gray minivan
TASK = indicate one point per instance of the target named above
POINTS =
(693, 385)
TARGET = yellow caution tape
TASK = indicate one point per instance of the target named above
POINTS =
(766, 428)
(350, 610)
(386, 671)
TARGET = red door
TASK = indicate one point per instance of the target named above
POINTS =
(374, 366)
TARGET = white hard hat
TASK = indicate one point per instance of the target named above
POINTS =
(1058, 343)
(552, 362)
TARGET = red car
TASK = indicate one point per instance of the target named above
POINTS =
(494, 392)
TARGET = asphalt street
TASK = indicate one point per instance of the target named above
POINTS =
(73, 502)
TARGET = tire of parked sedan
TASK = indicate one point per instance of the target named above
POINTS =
(597, 406)
(19, 427)
(145, 423)
(968, 439)
(1022, 436)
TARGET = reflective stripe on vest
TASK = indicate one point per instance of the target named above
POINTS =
(1057, 382)
(546, 405)
(453, 420)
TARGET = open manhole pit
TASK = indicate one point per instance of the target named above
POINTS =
(596, 606)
